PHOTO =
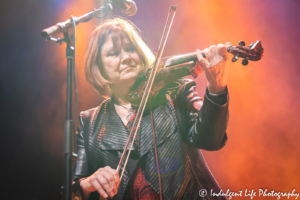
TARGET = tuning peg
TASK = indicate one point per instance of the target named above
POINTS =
(245, 61)
(242, 43)
(235, 58)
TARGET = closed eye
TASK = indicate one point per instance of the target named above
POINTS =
(130, 48)
(113, 53)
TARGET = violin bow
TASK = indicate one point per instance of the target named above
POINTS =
(145, 96)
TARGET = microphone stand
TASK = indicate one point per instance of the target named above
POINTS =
(69, 124)
(63, 27)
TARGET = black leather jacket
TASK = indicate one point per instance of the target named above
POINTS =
(181, 129)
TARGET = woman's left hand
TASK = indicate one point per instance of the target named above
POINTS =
(215, 66)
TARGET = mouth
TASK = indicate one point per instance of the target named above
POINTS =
(127, 68)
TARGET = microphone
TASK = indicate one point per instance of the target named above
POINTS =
(128, 7)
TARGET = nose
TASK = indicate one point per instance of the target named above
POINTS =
(126, 58)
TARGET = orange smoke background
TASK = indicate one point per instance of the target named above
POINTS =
(263, 148)
(263, 129)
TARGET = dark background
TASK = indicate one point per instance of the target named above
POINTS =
(263, 148)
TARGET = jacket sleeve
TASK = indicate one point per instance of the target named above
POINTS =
(204, 122)
(81, 166)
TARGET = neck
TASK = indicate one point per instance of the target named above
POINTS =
(120, 99)
(120, 93)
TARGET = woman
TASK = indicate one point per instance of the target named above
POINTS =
(116, 55)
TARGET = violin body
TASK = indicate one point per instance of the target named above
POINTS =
(165, 76)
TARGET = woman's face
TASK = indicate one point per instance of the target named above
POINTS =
(121, 64)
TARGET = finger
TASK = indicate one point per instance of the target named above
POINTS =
(101, 198)
(107, 183)
(114, 173)
(214, 51)
(198, 68)
(208, 54)
(201, 60)
(112, 177)
(222, 50)
(228, 43)
(95, 183)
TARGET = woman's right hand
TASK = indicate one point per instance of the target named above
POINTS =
(105, 180)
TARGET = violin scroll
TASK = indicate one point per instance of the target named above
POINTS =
(253, 52)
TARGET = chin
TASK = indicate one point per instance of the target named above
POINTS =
(130, 75)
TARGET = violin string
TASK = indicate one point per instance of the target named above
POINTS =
(166, 58)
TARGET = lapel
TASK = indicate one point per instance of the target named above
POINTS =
(116, 133)
(163, 124)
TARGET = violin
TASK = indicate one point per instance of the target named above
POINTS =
(182, 65)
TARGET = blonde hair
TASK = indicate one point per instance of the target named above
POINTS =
(118, 29)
